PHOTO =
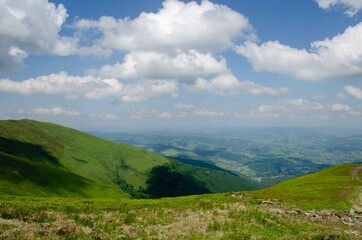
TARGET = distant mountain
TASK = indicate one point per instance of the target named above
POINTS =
(269, 155)
(45, 159)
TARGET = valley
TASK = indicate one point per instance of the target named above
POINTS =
(44, 159)
(61, 183)
(268, 155)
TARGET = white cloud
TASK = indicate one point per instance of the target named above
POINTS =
(354, 92)
(184, 106)
(301, 104)
(228, 84)
(264, 111)
(340, 107)
(154, 114)
(352, 6)
(149, 89)
(165, 115)
(206, 113)
(17, 55)
(163, 65)
(54, 111)
(64, 84)
(341, 96)
(180, 44)
(275, 109)
(91, 87)
(104, 116)
(177, 25)
(31, 27)
(336, 58)
(345, 108)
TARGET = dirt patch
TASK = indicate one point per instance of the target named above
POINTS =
(358, 202)
(344, 192)
(355, 171)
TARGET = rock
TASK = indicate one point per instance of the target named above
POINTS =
(352, 212)
(269, 202)
(352, 232)
(313, 215)
(236, 195)
(327, 213)
(276, 211)
(295, 212)
(347, 221)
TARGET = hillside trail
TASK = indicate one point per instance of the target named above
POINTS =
(358, 202)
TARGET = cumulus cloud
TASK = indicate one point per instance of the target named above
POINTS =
(354, 92)
(103, 116)
(206, 113)
(299, 104)
(180, 42)
(336, 58)
(177, 25)
(184, 106)
(64, 84)
(163, 65)
(54, 111)
(177, 31)
(264, 111)
(17, 55)
(275, 109)
(147, 89)
(228, 84)
(340, 107)
(351, 6)
(90, 87)
(31, 27)
(345, 108)
(164, 115)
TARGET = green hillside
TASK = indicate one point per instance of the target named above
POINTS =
(334, 188)
(46, 159)
(19, 176)
(310, 207)
(40, 159)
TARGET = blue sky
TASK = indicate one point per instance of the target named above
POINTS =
(182, 64)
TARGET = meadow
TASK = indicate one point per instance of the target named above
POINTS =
(263, 214)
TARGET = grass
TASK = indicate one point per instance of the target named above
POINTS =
(54, 161)
(215, 180)
(59, 150)
(331, 188)
(217, 216)
(45, 159)
(23, 177)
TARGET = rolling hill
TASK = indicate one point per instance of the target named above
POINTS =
(42, 159)
(269, 155)
(45, 159)
(338, 187)
(315, 206)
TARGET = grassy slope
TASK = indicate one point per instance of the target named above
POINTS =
(216, 216)
(216, 180)
(23, 177)
(64, 151)
(331, 188)
(42, 154)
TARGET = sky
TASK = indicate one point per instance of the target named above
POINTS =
(154, 64)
